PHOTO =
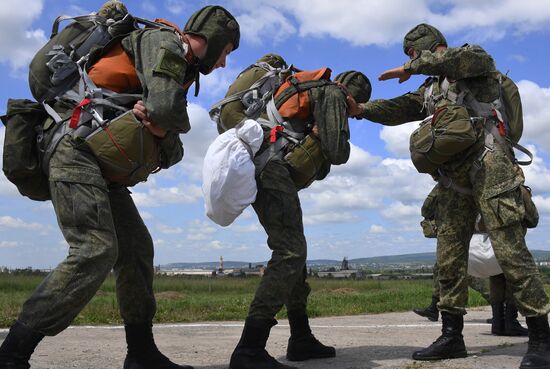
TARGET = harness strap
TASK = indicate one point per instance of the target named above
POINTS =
(447, 182)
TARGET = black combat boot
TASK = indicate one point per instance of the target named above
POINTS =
(497, 322)
(302, 344)
(431, 312)
(250, 352)
(143, 352)
(450, 344)
(538, 347)
(512, 327)
(17, 348)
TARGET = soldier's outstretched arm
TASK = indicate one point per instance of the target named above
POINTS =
(455, 62)
(396, 111)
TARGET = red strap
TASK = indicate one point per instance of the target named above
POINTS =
(75, 117)
(500, 125)
(273, 133)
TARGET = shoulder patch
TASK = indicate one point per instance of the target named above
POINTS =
(170, 64)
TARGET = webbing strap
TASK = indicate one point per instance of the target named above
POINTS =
(80, 18)
(299, 87)
(447, 182)
(75, 117)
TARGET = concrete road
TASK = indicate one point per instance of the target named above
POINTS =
(364, 341)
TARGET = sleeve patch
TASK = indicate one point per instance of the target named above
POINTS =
(170, 64)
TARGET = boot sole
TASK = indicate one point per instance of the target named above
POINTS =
(307, 357)
(534, 367)
(454, 355)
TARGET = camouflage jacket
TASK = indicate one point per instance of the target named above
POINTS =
(469, 63)
(165, 76)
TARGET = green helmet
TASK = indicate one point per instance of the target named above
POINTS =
(357, 84)
(113, 9)
(218, 27)
(276, 61)
(423, 37)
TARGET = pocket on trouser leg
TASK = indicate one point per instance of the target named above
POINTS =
(503, 209)
(81, 205)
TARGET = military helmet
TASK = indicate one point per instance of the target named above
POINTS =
(113, 9)
(274, 60)
(423, 37)
(356, 83)
(218, 27)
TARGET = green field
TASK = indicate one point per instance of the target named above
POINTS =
(190, 299)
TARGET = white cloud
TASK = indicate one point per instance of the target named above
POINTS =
(215, 245)
(330, 218)
(375, 228)
(216, 83)
(17, 40)
(18, 223)
(145, 215)
(155, 197)
(536, 114)
(8, 244)
(401, 212)
(537, 175)
(263, 20)
(162, 228)
(250, 228)
(397, 138)
(380, 24)
(543, 204)
(196, 141)
(176, 7)
(200, 230)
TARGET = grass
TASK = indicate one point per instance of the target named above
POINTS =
(189, 299)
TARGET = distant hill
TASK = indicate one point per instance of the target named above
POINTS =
(406, 259)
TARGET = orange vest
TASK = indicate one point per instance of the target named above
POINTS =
(298, 105)
(115, 70)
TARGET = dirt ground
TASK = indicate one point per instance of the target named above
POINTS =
(363, 341)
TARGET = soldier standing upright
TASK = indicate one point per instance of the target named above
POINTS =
(96, 214)
(481, 178)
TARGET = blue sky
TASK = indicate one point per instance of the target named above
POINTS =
(367, 207)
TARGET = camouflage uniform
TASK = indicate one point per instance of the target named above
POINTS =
(98, 219)
(496, 193)
(278, 208)
(279, 211)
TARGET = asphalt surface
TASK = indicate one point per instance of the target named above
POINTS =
(363, 341)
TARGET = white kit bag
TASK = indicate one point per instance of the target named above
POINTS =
(482, 262)
(228, 172)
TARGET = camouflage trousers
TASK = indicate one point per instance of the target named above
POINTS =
(104, 231)
(497, 197)
(284, 281)
(481, 285)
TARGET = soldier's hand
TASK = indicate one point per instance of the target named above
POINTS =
(315, 130)
(398, 72)
(354, 108)
(140, 112)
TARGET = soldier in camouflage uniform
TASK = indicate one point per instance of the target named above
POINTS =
(495, 193)
(278, 208)
(494, 289)
(99, 219)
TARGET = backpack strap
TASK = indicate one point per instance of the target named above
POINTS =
(297, 87)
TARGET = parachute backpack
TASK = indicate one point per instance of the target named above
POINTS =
(54, 73)
(254, 87)
(281, 95)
